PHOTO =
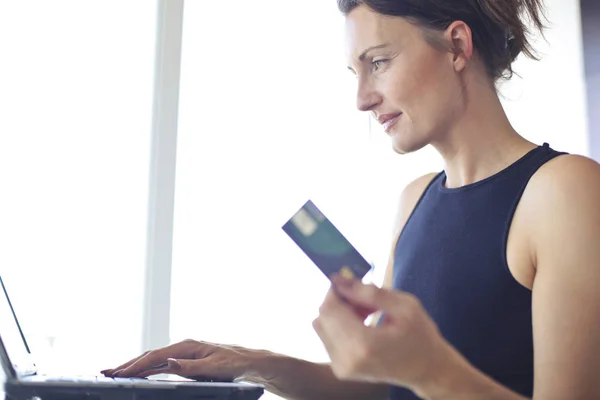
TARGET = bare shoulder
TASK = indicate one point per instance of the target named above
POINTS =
(563, 203)
(418, 186)
(568, 184)
(568, 171)
(409, 198)
(408, 201)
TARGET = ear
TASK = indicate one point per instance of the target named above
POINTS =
(461, 37)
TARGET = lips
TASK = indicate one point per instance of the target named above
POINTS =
(388, 120)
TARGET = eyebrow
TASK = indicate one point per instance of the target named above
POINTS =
(363, 55)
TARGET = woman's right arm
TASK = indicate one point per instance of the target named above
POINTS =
(296, 379)
(301, 380)
(288, 377)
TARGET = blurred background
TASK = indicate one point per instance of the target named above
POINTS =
(151, 150)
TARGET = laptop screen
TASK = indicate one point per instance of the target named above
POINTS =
(12, 338)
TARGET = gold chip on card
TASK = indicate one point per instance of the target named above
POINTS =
(346, 272)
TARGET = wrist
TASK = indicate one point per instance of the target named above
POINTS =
(259, 366)
(451, 377)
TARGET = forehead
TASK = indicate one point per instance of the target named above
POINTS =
(365, 28)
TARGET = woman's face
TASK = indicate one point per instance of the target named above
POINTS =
(409, 86)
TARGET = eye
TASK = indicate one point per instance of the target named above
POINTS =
(378, 64)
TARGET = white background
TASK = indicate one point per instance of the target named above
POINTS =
(267, 120)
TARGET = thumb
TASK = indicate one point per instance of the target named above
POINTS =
(366, 296)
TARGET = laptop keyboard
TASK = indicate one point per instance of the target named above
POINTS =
(94, 379)
(103, 380)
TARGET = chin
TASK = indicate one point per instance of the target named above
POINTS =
(404, 144)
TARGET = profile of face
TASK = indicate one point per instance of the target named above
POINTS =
(414, 88)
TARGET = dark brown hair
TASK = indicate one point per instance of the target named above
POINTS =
(499, 27)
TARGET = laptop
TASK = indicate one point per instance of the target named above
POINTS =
(22, 379)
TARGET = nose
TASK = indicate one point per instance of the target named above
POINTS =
(367, 98)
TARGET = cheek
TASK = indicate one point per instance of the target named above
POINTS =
(421, 89)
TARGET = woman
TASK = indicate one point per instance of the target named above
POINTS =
(494, 257)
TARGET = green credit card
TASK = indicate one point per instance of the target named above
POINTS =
(324, 244)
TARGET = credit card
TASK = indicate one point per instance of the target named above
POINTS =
(324, 244)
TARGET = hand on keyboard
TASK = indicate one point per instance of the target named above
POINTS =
(200, 361)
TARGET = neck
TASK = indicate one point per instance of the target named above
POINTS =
(482, 142)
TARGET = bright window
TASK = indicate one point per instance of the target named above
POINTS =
(76, 105)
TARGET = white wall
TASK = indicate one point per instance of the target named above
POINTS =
(547, 103)
(590, 11)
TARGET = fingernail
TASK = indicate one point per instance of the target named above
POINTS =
(116, 373)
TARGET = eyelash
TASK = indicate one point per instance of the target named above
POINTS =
(377, 63)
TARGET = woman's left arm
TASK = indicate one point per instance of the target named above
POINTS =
(566, 287)
(408, 350)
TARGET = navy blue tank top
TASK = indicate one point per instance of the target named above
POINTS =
(451, 254)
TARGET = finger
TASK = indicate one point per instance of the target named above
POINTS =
(339, 338)
(111, 371)
(187, 368)
(201, 370)
(369, 296)
(125, 365)
(330, 296)
(335, 304)
(172, 366)
(362, 312)
(158, 369)
(338, 326)
(337, 316)
(154, 359)
(330, 345)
